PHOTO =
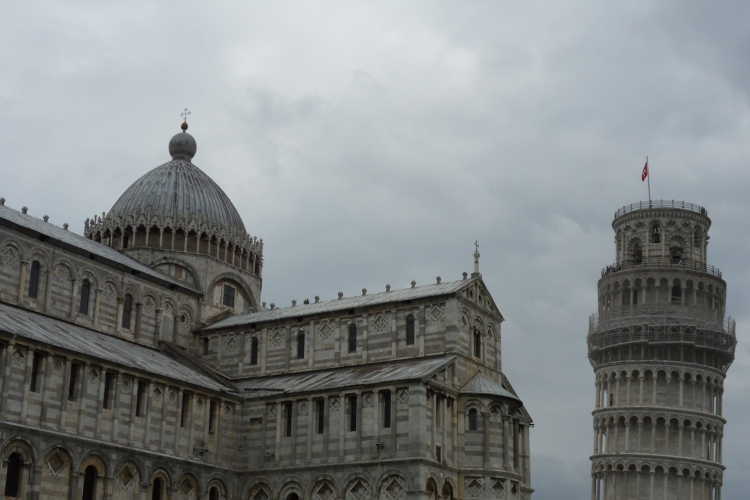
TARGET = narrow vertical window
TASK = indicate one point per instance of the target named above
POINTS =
(410, 330)
(477, 343)
(473, 419)
(212, 417)
(439, 454)
(352, 338)
(387, 409)
(13, 475)
(109, 384)
(140, 398)
(301, 345)
(438, 411)
(185, 409)
(83, 308)
(156, 489)
(228, 296)
(36, 368)
(321, 415)
(254, 351)
(352, 413)
(289, 412)
(126, 309)
(205, 346)
(34, 279)
(73, 383)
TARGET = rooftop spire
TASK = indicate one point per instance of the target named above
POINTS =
(476, 260)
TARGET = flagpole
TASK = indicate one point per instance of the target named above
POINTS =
(648, 177)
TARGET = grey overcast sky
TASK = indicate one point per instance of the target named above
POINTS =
(372, 142)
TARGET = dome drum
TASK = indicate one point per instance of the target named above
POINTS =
(181, 234)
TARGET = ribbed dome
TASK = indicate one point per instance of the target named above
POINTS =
(179, 189)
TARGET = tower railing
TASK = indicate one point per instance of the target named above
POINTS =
(644, 205)
(671, 324)
(663, 263)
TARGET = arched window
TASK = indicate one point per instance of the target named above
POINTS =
(655, 233)
(301, 345)
(477, 343)
(410, 330)
(83, 308)
(676, 294)
(156, 489)
(254, 351)
(352, 338)
(213, 494)
(13, 476)
(676, 254)
(473, 425)
(89, 483)
(34, 279)
(637, 253)
(126, 309)
(447, 491)
(292, 496)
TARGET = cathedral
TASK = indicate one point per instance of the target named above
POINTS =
(137, 361)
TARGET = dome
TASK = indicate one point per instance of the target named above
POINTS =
(179, 189)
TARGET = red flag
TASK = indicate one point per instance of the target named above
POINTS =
(645, 171)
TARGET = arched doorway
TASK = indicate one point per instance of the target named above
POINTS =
(89, 483)
(213, 493)
(292, 496)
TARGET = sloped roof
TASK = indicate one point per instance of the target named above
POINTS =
(322, 380)
(482, 385)
(58, 333)
(344, 303)
(79, 244)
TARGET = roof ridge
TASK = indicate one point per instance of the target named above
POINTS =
(400, 294)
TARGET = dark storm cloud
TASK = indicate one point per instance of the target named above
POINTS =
(372, 143)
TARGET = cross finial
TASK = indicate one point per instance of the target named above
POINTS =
(476, 244)
(185, 114)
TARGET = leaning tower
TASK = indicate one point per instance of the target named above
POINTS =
(660, 346)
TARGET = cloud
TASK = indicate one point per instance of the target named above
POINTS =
(372, 143)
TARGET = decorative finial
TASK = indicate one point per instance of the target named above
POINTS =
(364, 291)
(476, 260)
(184, 116)
(413, 283)
(387, 288)
(46, 218)
(25, 210)
(438, 279)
